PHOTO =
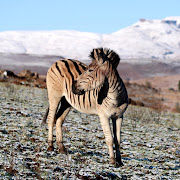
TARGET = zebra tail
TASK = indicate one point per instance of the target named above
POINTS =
(45, 116)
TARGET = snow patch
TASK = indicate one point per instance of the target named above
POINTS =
(146, 39)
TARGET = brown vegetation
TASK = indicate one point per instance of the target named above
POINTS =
(165, 94)
(25, 77)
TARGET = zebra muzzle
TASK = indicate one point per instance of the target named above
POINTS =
(75, 89)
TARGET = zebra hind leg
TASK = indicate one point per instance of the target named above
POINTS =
(60, 116)
(117, 122)
(53, 105)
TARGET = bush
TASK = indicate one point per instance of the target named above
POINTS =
(148, 84)
(179, 86)
(171, 89)
(177, 107)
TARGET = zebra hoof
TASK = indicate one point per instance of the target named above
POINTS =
(61, 148)
(119, 164)
(62, 151)
(50, 148)
(112, 160)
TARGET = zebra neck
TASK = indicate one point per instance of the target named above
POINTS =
(117, 93)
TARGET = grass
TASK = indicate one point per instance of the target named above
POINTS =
(150, 142)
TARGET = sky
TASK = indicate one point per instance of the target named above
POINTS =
(97, 16)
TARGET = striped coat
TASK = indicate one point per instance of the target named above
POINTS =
(62, 79)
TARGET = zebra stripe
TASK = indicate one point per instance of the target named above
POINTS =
(58, 69)
(77, 67)
(67, 66)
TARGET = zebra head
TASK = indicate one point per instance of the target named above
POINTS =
(97, 71)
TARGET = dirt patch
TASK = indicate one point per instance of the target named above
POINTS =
(162, 82)
(167, 95)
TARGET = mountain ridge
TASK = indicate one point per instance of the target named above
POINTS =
(157, 40)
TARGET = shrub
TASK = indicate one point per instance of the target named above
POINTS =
(148, 84)
(171, 89)
(177, 107)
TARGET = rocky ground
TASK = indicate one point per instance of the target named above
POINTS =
(150, 142)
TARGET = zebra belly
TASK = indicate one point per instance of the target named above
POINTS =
(84, 103)
(86, 111)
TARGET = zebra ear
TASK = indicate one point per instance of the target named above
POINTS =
(95, 54)
(99, 56)
(103, 69)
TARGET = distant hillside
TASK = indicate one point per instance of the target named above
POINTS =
(40, 64)
(143, 41)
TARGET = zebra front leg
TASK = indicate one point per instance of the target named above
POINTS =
(59, 138)
(117, 122)
(108, 136)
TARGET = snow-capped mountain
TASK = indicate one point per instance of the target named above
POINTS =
(145, 40)
(153, 39)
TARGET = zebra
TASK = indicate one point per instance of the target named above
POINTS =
(106, 97)
(112, 98)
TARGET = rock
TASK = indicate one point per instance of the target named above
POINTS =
(36, 75)
(26, 74)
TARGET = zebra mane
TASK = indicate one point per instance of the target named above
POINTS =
(106, 54)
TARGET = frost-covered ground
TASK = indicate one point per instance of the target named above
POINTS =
(150, 142)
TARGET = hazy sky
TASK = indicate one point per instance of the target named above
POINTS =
(99, 16)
